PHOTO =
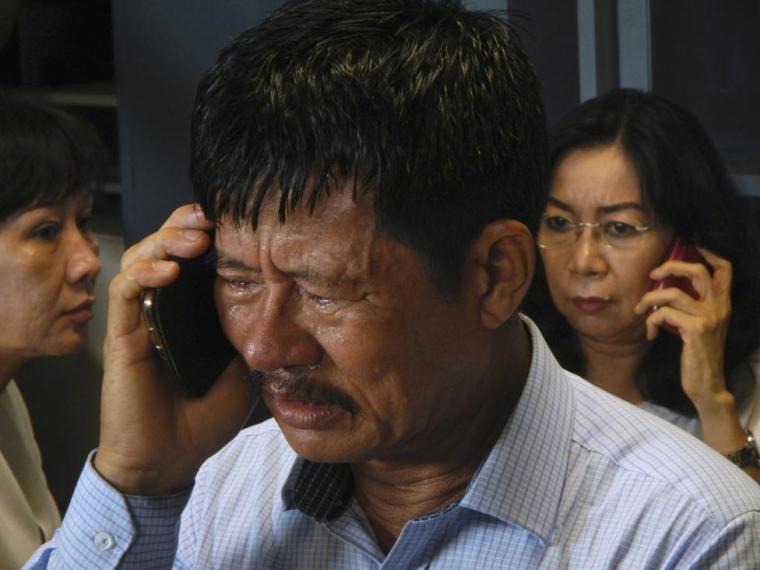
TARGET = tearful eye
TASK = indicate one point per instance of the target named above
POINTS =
(319, 300)
(327, 304)
(237, 285)
(242, 284)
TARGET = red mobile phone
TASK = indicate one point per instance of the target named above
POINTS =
(679, 250)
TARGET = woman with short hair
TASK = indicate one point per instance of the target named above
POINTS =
(49, 162)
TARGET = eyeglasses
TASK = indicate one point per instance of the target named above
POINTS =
(558, 233)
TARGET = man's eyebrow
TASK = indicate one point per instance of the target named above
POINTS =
(612, 208)
(224, 261)
(315, 277)
(310, 275)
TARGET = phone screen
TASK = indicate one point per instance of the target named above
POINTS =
(184, 327)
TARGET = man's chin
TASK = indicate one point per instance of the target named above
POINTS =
(322, 446)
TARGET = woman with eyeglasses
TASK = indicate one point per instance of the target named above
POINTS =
(633, 174)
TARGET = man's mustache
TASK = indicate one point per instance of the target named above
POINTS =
(300, 387)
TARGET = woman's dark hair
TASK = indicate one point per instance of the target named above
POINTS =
(433, 110)
(687, 185)
(46, 155)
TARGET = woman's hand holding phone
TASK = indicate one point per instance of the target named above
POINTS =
(702, 323)
(153, 439)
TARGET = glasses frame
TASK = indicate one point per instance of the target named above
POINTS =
(577, 229)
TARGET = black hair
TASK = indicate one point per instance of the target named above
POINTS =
(46, 155)
(687, 185)
(433, 110)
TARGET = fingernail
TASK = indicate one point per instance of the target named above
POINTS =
(199, 215)
(162, 266)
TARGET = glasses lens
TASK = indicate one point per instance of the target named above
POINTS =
(556, 232)
(622, 235)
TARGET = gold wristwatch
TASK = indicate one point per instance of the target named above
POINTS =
(748, 455)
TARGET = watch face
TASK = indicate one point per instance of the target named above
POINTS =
(748, 455)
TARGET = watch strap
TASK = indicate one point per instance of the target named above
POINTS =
(747, 456)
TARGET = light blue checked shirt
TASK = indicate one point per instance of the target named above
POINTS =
(578, 479)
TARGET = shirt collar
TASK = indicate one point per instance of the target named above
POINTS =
(521, 480)
(319, 490)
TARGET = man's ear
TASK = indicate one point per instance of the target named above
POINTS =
(506, 260)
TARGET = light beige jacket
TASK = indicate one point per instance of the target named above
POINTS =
(28, 513)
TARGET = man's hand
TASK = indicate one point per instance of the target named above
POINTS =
(153, 440)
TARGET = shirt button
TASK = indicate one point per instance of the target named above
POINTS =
(104, 541)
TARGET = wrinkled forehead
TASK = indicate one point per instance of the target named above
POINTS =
(339, 229)
(596, 178)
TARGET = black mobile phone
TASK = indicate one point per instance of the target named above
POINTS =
(184, 326)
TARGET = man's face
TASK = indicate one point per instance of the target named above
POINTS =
(362, 357)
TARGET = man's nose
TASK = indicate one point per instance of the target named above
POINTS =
(279, 339)
(588, 254)
(83, 263)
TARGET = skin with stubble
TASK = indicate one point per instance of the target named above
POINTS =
(358, 354)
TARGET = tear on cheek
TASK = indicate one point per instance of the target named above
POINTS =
(229, 317)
